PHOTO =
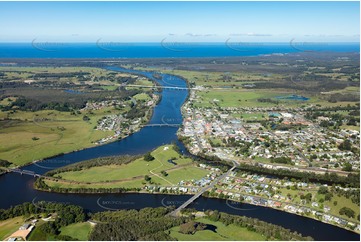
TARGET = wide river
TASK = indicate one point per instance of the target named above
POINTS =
(16, 189)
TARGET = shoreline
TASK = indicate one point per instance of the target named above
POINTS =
(190, 194)
(145, 192)
(148, 116)
(88, 147)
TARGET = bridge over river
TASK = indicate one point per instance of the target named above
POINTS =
(162, 125)
(200, 192)
(24, 172)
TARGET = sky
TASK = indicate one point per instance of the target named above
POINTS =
(181, 21)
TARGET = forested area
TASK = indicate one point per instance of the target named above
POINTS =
(145, 224)
(153, 224)
(67, 214)
(41, 185)
(101, 161)
(35, 99)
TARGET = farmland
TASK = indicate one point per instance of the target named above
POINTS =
(43, 114)
(131, 175)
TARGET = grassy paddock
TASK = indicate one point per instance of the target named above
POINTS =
(60, 133)
(78, 231)
(132, 175)
(223, 232)
(9, 226)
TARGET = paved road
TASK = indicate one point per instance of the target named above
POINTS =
(200, 192)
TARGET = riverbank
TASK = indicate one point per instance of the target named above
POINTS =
(132, 190)
(56, 131)
(16, 186)
(82, 185)
(288, 211)
(92, 145)
(236, 204)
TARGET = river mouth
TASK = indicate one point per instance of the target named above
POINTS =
(18, 188)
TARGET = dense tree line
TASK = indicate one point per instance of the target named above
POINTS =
(29, 104)
(102, 161)
(271, 231)
(41, 185)
(352, 180)
(138, 112)
(313, 110)
(67, 214)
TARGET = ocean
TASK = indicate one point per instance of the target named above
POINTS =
(99, 49)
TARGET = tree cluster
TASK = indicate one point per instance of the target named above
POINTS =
(145, 224)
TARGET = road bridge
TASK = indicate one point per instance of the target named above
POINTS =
(24, 172)
(162, 125)
(200, 192)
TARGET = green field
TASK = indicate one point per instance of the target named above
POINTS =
(234, 98)
(143, 82)
(233, 95)
(142, 97)
(110, 88)
(216, 79)
(38, 235)
(223, 232)
(78, 231)
(9, 226)
(251, 116)
(342, 202)
(350, 127)
(31, 135)
(132, 175)
(57, 132)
